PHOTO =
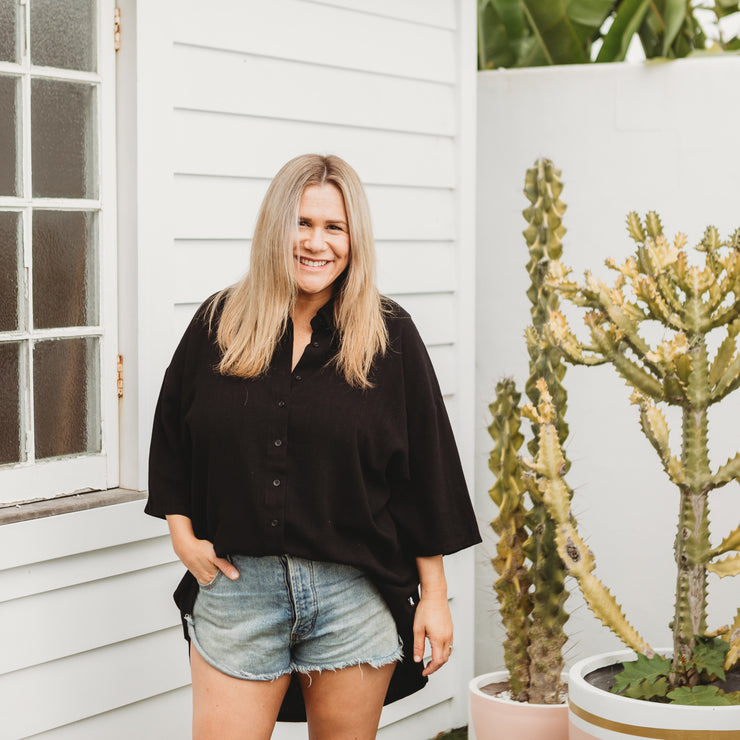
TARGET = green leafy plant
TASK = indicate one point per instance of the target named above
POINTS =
(658, 285)
(532, 33)
(531, 584)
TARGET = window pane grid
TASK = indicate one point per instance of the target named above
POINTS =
(51, 390)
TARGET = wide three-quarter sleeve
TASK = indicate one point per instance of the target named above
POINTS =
(431, 505)
(169, 452)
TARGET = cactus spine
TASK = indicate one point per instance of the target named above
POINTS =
(532, 598)
(658, 284)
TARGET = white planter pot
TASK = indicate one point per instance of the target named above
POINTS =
(596, 714)
(499, 719)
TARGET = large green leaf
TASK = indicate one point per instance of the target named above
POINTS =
(644, 678)
(564, 29)
(703, 696)
(626, 23)
(709, 656)
(674, 15)
(591, 13)
(494, 46)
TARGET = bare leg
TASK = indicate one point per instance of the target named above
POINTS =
(227, 708)
(345, 704)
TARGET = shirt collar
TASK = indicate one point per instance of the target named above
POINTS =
(324, 319)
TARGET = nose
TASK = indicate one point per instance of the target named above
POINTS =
(313, 239)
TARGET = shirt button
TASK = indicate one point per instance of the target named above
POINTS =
(274, 523)
(281, 404)
(314, 344)
(278, 442)
(276, 482)
(298, 377)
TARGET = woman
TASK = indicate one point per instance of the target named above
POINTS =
(304, 461)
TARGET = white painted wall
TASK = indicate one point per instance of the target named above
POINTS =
(656, 136)
(213, 99)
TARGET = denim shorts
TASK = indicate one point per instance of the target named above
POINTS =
(286, 614)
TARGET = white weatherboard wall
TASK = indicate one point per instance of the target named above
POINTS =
(213, 99)
(655, 136)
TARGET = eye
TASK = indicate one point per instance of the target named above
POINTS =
(335, 227)
(302, 222)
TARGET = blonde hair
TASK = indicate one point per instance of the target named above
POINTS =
(256, 309)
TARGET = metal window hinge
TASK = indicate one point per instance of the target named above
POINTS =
(117, 29)
(120, 376)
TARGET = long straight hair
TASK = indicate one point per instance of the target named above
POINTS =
(256, 309)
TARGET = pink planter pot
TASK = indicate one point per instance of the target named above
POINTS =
(596, 714)
(498, 719)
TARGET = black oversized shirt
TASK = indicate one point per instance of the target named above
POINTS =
(299, 462)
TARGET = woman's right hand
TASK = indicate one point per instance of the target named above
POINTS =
(198, 556)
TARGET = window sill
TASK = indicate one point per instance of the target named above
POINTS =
(67, 504)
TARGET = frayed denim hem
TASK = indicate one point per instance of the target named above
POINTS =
(225, 669)
(307, 669)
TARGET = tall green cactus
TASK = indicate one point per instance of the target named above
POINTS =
(531, 584)
(659, 284)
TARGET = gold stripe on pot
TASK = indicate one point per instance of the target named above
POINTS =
(653, 732)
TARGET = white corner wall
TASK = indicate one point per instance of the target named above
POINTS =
(655, 136)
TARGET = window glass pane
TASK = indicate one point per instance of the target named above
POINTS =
(9, 273)
(66, 414)
(8, 30)
(63, 34)
(10, 417)
(64, 269)
(62, 140)
(8, 135)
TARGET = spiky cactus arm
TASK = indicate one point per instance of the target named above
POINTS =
(544, 234)
(544, 237)
(690, 302)
(733, 637)
(547, 472)
(512, 586)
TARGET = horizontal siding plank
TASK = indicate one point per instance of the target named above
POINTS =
(412, 214)
(82, 531)
(416, 267)
(163, 717)
(319, 35)
(245, 146)
(227, 82)
(226, 208)
(67, 621)
(434, 316)
(71, 689)
(204, 267)
(433, 12)
(36, 578)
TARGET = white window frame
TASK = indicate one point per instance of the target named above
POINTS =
(35, 480)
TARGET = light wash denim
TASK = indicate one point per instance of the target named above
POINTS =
(285, 614)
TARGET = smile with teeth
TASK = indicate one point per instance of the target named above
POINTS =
(312, 263)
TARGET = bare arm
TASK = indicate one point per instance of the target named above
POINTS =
(198, 556)
(433, 620)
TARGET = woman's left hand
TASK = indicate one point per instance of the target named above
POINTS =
(433, 621)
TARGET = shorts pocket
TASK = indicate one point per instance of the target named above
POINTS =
(212, 582)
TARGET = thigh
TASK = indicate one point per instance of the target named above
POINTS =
(228, 708)
(345, 703)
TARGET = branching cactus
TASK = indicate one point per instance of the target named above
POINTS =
(659, 284)
(531, 583)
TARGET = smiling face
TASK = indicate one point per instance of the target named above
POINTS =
(321, 245)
